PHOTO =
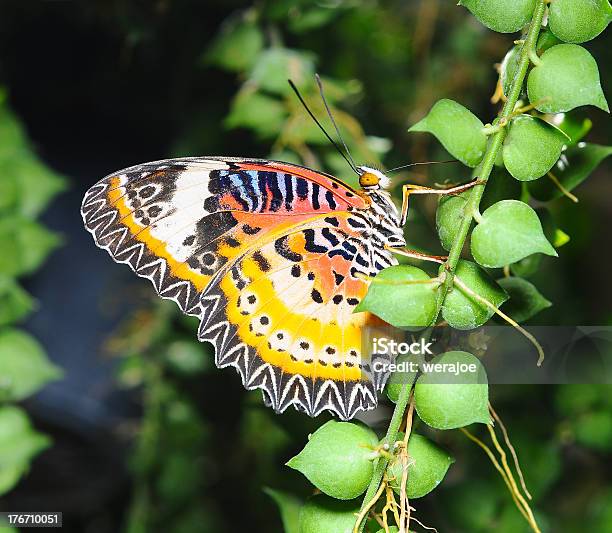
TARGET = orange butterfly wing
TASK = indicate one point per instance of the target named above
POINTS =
(266, 254)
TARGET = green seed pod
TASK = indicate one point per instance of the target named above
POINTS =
(444, 400)
(427, 466)
(577, 21)
(322, 514)
(531, 147)
(509, 231)
(566, 77)
(338, 459)
(457, 128)
(501, 15)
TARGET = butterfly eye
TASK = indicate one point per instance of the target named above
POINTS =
(368, 179)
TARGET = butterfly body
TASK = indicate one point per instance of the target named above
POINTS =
(272, 257)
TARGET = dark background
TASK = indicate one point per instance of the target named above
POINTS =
(102, 85)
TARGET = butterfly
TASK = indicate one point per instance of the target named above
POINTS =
(272, 257)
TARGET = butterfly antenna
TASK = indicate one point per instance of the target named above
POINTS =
(335, 145)
(331, 117)
(423, 163)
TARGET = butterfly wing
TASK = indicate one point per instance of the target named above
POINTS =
(268, 255)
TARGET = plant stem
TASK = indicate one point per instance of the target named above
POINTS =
(472, 205)
(390, 438)
(493, 148)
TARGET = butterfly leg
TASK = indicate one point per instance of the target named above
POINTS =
(407, 252)
(409, 189)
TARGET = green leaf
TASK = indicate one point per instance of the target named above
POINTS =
(577, 21)
(188, 357)
(276, 65)
(567, 77)
(449, 214)
(552, 232)
(9, 191)
(427, 466)
(289, 507)
(9, 477)
(509, 231)
(15, 303)
(338, 459)
(36, 184)
(311, 19)
(19, 444)
(394, 299)
(508, 67)
(546, 40)
(322, 514)
(594, 430)
(573, 399)
(237, 46)
(574, 125)
(24, 366)
(444, 400)
(531, 147)
(460, 310)
(525, 299)
(457, 128)
(263, 114)
(25, 245)
(500, 186)
(526, 267)
(300, 128)
(574, 167)
(129, 371)
(26, 183)
(483, 507)
(501, 15)
(399, 380)
(13, 140)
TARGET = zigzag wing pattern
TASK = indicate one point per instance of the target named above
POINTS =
(266, 255)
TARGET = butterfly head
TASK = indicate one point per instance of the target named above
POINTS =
(372, 179)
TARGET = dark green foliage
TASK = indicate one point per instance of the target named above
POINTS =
(26, 187)
(216, 463)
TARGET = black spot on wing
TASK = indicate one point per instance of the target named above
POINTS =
(356, 223)
(327, 233)
(311, 245)
(361, 261)
(316, 296)
(339, 251)
(301, 186)
(262, 262)
(147, 192)
(349, 247)
(288, 192)
(281, 245)
(270, 180)
(331, 201)
(315, 196)
(250, 230)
